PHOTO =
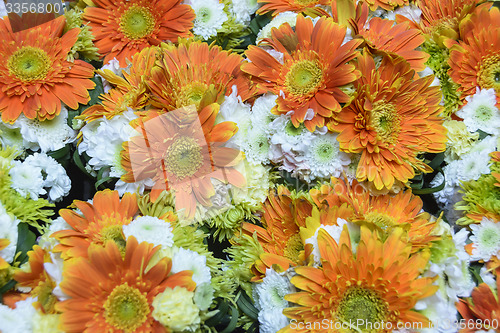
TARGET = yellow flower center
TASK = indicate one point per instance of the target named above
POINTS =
(381, 220)
(304, 77)
(29, 63)
(385, 121)
(45, 297)
(137, 22)
(488, 75)
(362, 307)
(192, 94)
(113, 233)
(291, 130)
(184, 157)
(126, 308)
(293, 248)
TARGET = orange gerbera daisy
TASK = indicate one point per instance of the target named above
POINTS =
(383, 212)
(100, 222)
(38, 280)
(313, 69)
(181, 151)
(390, 121)
(111, 293)
(195, 73)
(440, 18)
(307, 7)
(495, 158)
(36, 77)
(123, 28)
(399, 39)
(128, 92)
(3, 244)
(475, 61)
(284, 214)
(378, 283)
(483, 308)
(386, 4)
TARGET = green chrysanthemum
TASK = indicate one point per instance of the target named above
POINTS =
(480, 197)
(84, 45)
(438, 62)
(228, 223)
(26, 210)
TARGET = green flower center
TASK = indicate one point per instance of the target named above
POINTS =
(304, 77)
(362, 306)
(29, 63)
(484, 113)
(291, 130)
(204, 15)
(126, 308)
(489, 238)
(184, 157)
(324, 151)
(137, 22)
(488, 75)
(385, 121)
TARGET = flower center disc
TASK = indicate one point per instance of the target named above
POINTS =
(304, 77)
(137, 22)
(386, 121)
(293, 248)
(192, 94)
(183, 158)
(291, 130)
(489, 73)
(362, 306)
(126, 308)
(29, 63)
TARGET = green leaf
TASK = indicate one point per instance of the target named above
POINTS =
(62, 153)
(437, 161)
(234, 320)
(217, 318)
(245, 304)
(25, 241)
(97, 91)
(78, 162)
(431, 189)
(100, 179)
(6, 287)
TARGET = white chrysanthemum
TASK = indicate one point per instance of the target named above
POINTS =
(257, 184)
(411, 12)
(481, 112)
(114, 66)
(27, 180)
(261, 111)
(440, 312)
(46, 241)
(288, 137)
(3, 10)
(55, 270)
(47, 135)
(243, 9)
(8, 230)
(256, 146)
(18, 320)
(334, 231)
(488, 277)
(136, 187)
(486, 240)
(150, 229)
(325, 158)
(55, 178)
(102, 141)
(210, 16)
(270, 293)
(10, 135)
(233, 109)
(192, 261)
(272, 321)
(473, 165)
(281, 18)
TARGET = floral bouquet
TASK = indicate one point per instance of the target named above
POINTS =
(250, 166)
